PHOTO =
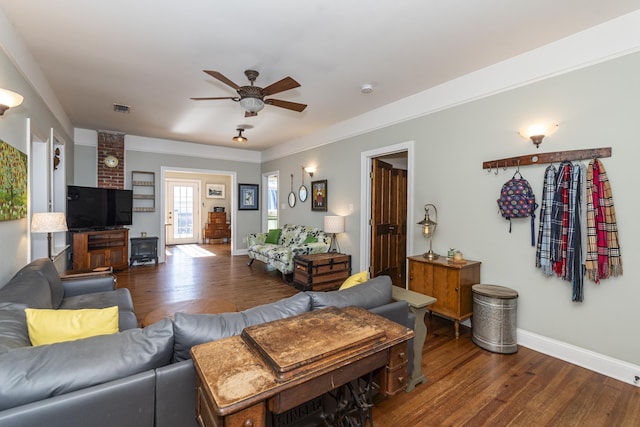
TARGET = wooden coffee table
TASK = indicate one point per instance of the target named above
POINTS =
(192, 306)
(242, 378)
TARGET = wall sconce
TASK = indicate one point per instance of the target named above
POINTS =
(8, 100)
(334, 225)
(310, 170)
(538, 131)
(239, 137)
(428, 229)
(48, 222)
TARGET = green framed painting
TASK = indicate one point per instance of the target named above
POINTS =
(13, 182)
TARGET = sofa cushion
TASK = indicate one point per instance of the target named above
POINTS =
(52, 326)
(287, 307)
(120, 297)
(194, 329)
(354, 279)
(34, 373)
(372, 293)
(273, 236)
(13, 326)
(48, 269)
(29, 288)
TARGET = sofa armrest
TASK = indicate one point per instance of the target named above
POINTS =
(256, 239)
(87, 284)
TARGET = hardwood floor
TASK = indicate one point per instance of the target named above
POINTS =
(467, 386)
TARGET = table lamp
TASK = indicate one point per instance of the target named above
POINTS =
(428, 229)
(48, 222)
(332, 225)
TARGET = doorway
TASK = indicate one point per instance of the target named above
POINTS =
(183, 215)
(270, 182)
(389, 217)
(387, 180)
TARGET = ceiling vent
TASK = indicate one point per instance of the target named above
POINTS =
(120, 108)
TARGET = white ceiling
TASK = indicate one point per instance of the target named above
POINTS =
(149, 54)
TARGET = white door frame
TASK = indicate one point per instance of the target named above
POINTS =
(232, 194)
(265, 195)
(366, 160)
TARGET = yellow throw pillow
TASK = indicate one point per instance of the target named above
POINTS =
(52, 326)
(354, 280)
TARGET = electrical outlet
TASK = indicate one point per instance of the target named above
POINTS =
(636, 379)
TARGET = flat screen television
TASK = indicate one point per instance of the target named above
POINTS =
(90, 208)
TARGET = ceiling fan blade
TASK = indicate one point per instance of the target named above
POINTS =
(223, 79)
(286, 104)
(215, 97)
(280, 86)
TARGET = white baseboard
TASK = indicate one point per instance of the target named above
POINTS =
(605, 365)
(240, 252)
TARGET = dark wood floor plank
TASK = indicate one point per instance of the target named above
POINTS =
(467, 386)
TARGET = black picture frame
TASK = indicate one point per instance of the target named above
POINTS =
(248, 197)
(319, 194)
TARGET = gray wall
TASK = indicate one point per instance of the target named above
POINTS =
(14, 251)
(153, 222)
(595, 106)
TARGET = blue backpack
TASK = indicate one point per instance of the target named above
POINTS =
(517, 200)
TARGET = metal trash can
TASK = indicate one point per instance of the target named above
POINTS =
(493, 326)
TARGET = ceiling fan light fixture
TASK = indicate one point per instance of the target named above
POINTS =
(251, 104)
(239, 137)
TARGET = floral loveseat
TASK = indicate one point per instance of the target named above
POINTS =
(293, 240)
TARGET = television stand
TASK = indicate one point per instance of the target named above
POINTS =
(101, 248)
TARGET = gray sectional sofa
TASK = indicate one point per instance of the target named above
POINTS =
(139, 376)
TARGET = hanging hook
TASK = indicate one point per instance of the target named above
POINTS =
(505, 166)
(489, 168)
(518, 167)
(497, 168)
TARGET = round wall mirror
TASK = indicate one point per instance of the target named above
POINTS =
(292, 199)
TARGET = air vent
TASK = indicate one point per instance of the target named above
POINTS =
(120, 108)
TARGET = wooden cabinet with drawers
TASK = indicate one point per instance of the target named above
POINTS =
(104, 248)
(217, 227)
(450, 283)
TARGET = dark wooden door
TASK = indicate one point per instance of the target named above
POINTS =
(388, 221)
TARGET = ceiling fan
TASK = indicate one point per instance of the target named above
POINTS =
(251, 98)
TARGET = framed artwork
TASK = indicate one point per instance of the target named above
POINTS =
(319, 195)
(13, 183)
(215, 191)
(248, 197)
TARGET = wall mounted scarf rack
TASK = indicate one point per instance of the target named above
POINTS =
(554, 157)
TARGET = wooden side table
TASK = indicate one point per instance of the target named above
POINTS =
(418, 304)
(449, 282)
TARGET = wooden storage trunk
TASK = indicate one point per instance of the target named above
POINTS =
(321, 272)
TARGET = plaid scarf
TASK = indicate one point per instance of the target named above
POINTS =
(603, 250)
(574, 272)
(543, 249)
(560, 220)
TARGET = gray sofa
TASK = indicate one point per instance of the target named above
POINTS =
(139, 376)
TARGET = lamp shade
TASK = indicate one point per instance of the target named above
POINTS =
(48, 222)
(9, 99)
(334, 224)
(253, 105)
